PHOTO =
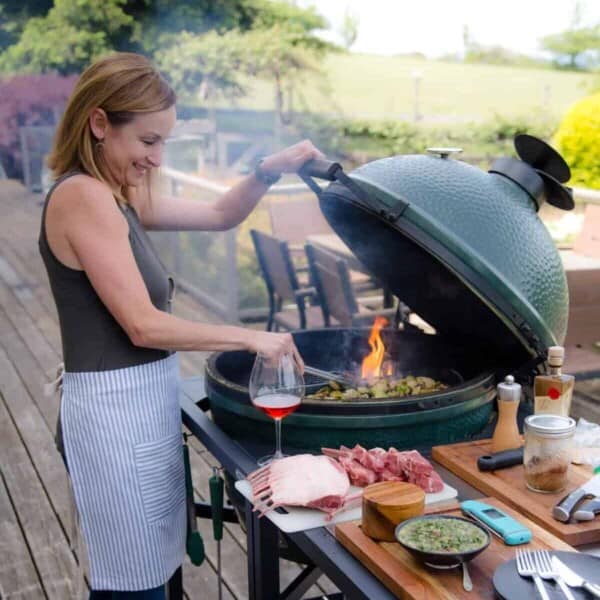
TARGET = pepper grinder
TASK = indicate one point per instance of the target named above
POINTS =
(506, 435)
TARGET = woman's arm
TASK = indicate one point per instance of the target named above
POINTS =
(97, 232)
(168, 213)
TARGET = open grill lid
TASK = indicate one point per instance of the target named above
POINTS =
(463, 248)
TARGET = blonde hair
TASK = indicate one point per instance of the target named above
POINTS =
(121, 84)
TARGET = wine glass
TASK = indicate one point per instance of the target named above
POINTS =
(277, 388)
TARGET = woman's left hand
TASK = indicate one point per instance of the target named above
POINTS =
(291, 159)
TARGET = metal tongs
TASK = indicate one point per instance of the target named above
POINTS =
(344, 380)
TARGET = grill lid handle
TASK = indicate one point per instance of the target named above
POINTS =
(321, 169)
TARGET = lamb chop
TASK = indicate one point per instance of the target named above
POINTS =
(363, 466)
(302, 480)
(367, 466)
(358, 474)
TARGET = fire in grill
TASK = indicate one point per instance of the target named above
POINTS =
(379, 377)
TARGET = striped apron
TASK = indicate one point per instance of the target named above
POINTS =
(123, 444)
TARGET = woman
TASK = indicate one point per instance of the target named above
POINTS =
(119, 412)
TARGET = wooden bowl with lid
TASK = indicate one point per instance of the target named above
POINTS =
(388, 503)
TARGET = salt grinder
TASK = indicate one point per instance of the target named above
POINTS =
(506, 435)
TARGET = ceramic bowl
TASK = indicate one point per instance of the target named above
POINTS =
(443, 559)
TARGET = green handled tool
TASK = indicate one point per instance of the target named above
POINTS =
(216, 503)
(194, 544)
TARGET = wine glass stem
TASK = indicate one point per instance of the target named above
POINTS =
(278, 452)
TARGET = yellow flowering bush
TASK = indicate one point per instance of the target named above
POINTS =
(578, 140)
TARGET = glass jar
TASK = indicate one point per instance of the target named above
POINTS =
(547, 452)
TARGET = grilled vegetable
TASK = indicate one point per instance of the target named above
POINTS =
(382, 388)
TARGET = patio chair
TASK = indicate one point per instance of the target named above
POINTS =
(283, 287)
(338, 300)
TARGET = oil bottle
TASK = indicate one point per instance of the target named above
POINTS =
(506, 435)
(553, 392)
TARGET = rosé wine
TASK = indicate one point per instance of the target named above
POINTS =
(277, 406)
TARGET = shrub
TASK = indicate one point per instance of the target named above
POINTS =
(578, 140)
(368, 140)
(28, 100)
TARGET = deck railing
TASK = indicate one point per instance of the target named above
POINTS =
(586, 196)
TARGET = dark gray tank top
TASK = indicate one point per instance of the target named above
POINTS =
(92, 340)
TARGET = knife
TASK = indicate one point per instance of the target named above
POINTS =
(572, 579)
(562, 511)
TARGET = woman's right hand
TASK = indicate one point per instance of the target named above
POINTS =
(273, 345)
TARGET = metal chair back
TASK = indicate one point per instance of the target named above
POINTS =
(331, 277)
(280, 278)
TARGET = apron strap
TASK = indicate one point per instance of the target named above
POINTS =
(54, 386)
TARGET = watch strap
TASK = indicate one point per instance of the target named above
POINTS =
(264, 176)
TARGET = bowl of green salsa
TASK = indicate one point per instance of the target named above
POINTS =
(442, 540)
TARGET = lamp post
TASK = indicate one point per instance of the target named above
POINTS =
(417, 75)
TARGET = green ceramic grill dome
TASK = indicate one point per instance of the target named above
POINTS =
(482, 261)
(462, 248)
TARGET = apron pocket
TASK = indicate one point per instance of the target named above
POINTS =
(159, 465)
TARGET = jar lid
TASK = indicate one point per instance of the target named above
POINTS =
(554, 426)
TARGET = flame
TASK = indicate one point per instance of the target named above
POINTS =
(371, 364)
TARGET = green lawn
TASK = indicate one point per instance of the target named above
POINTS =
(371, 86)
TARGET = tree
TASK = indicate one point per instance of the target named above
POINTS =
(283, 54)
(14, 14)
(73, 33)
(208, 65)
(68, 37)
(349, 28)
(280, 47)
(573, 45)
(570, 46)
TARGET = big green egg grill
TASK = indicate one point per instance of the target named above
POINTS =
(465, 250)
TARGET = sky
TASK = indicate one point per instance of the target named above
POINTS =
(435, 27)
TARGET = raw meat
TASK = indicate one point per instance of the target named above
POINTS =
(359, 475)
(302, 480)
(390, 465)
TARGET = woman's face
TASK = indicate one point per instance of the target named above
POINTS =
(131, 150)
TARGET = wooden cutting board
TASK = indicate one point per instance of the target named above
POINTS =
(509, 486)
(409, 579)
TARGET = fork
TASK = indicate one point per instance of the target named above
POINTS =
(542, 561)
(526, 568)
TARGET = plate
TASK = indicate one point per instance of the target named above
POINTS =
(511, 586)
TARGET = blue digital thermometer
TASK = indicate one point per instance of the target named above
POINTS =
(509, 530)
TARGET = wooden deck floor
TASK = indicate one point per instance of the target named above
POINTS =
(36, 560)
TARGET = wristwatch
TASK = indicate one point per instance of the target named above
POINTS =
(265, 176)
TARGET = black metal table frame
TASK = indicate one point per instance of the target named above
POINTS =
(327, 554)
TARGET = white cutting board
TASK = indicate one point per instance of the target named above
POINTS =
(301, 519)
